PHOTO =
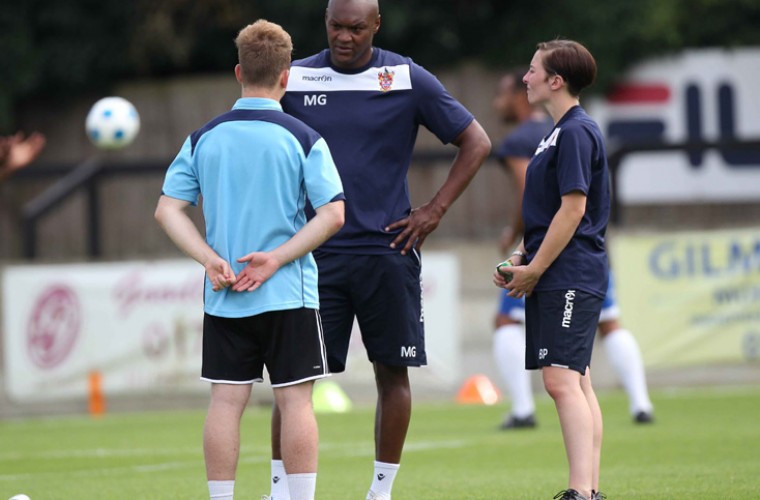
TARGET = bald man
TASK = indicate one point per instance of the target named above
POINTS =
(368, 104)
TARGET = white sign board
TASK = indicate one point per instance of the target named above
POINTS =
(697, 95)
(140, 325)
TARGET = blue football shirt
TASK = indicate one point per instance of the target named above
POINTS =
(370, 117)
(523, 140)
(571, 158)
(254, 167)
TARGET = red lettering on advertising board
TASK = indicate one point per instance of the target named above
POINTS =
(133, 291)
(53, 327)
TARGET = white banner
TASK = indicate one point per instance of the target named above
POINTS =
(140, 325)
(696, 95)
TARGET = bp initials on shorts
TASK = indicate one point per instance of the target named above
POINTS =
(560, 326)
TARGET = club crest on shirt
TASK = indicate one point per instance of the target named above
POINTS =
(385, 79)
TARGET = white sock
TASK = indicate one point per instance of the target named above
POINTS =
(382, 481)
(301, 486)
(624, 355)
(279, 482)
(509, 354)
(221, 490)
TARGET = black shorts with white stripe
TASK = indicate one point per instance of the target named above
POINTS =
(290, 343)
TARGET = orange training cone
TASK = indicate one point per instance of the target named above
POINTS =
(478, 389)
(97, 402)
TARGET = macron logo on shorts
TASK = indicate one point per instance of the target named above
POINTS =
(567, 315)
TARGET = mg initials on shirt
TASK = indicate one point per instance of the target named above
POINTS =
(315, 100)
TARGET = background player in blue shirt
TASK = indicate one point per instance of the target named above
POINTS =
(515, 151)
(255, 166)
(368, 104)
(561, 264)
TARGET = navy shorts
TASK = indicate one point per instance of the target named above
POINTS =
(559, 329)
(384, 293)
(515, 308)
(289, 343)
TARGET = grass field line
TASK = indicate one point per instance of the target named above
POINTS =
(259, 454)
(348, 448)
(96, 453)
(98, 470)
(357, 449)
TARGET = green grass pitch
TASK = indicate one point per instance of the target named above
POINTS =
(704, 444)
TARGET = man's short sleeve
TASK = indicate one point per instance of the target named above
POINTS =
(181, 180)
(438, 111)
(323, 184)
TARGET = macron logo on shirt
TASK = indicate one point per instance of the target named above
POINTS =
(548, 142)
(316, 78)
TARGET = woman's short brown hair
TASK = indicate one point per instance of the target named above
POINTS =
(570, 60)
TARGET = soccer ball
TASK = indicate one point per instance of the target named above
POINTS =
(112, 123)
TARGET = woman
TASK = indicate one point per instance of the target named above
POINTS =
(561, 264)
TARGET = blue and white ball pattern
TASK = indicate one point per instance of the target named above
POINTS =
(112, 123)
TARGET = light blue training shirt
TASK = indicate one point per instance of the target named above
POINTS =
(254, 167)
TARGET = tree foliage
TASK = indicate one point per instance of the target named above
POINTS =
(54, 49)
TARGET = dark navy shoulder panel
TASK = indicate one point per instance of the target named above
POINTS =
(304, 134)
